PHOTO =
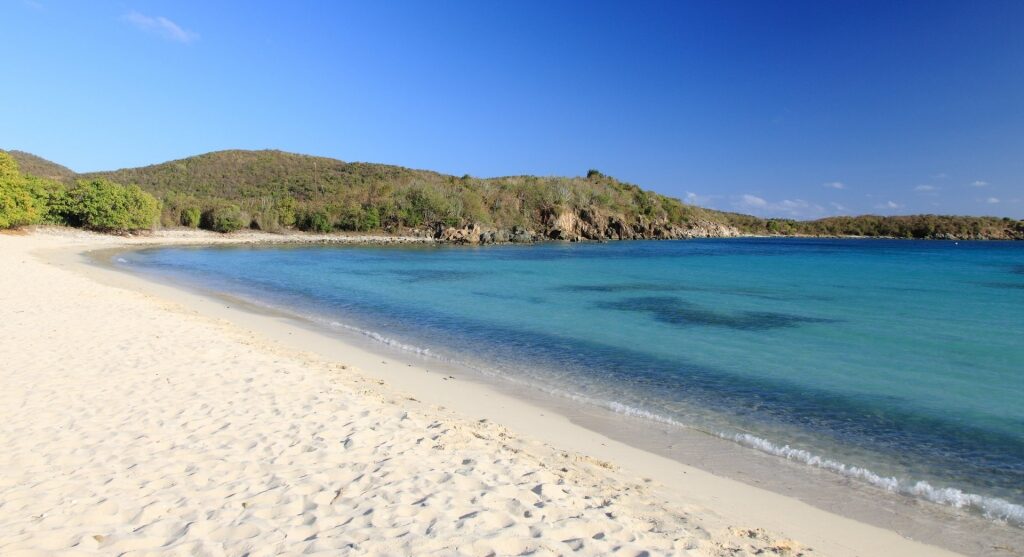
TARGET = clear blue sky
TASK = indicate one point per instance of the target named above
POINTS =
(798, 109)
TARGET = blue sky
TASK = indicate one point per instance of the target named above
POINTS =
(801, 109)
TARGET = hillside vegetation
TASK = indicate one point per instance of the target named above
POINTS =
(274, 190)
(96, 204)
(39, 167)
(271, 190)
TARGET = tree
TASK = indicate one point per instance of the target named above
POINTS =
(315, 221)
(17, 207)
(223, 218)
(191, 217)
(108, 206)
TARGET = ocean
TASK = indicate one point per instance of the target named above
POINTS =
(894, 363)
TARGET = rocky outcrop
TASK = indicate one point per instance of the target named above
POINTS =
(584, 225)
(587, 224)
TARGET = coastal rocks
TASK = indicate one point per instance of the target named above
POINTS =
(587, 224)
(476, 234)
(583, 225)
(707, 229)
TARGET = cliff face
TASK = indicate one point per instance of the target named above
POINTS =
(585, 224)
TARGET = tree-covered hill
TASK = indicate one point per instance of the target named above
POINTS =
(274, 190)
(37, 166)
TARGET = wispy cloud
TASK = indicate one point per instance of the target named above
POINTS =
(888, 205)
(835, 185)
(925, 188)
(160, 26)
(940, 176)
(979, 183)
(752, 201)
(790, 208)
(701, 200)
(992, 200)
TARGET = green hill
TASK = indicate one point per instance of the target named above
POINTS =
(273, 190)
(38, 166)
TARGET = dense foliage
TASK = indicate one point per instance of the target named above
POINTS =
(96, 204)
(273, 190)
(17, 207)
(910, 226)
(223, 217)
(107, 206)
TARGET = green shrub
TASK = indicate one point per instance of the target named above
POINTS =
(191, 216)
(286, 211)
(107, 206)
(47, 195)
(223, 218)
(266, 220)
(315, 221)
(17, 206)
(361, 219)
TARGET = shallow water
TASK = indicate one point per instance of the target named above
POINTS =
(898, 363)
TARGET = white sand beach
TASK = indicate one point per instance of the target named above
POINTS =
(136, 418)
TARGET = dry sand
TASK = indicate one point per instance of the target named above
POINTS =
(135, 418)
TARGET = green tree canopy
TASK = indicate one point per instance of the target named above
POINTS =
(17, 207)
(103, 205)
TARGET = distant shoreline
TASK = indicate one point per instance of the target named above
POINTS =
(254, 237)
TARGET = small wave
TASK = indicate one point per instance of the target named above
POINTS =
(385, 340)
(991, 507)
(121, 260)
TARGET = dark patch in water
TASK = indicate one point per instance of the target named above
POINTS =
(630, 287)
(434, 275)
(681, 313)
(1010, 285)
(647, 287)
(420, 275)
(496, 296)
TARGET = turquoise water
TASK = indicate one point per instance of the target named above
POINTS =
(898, 363)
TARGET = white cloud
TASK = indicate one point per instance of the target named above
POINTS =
(752, 201)
(701, 200)
(888, 205)
(160, 26)
(992, 200)
(835, 185)
(924, 188)
(941, 176)
(979, 183)
(789, 208)
(839, 207)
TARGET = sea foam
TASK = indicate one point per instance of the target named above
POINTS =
(991, 507)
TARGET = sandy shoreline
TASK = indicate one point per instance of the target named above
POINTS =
(139, 416)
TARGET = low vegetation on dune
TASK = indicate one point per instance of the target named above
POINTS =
(272, 191)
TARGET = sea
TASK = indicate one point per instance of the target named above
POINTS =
(897, 364)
